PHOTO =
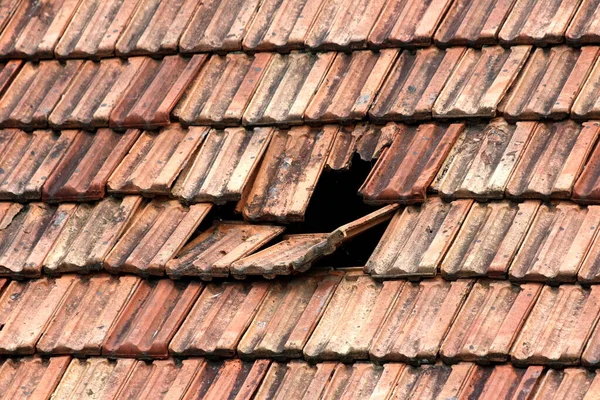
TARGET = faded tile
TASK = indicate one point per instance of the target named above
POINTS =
(31, 377)
(587, 105)
(363, 380)
(590, 267)
(296, 380)
(432, 382)
(584, 27)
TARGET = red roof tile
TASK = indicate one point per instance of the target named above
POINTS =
(577, 383)
(295, 379)
(586, 189)
(31, 378)
(590, 267)
(374, 139)
(586, 106)
(584, 26)
(7, 10)
(8, 70)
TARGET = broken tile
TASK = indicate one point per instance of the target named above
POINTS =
(573, 383)
(375, 140)
(31, 377)
(344, 147)
(295, 379)
(584, 27)
(586, 105)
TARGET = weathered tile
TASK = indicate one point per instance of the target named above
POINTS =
(375, 139)
(218, 25)
(151, 318)
(89, 235)
(7, 10)
(417, 239)
(479, 82)
(558, 326)
(482, 160)
(295, 379)
(414, 83)
(219, 318)
(83, 171)
(590, 267)
(352, 318)
(489, 239)
(8, 70)
(584, 27)
(552, 160)
(410, 164)
(431, 382)
(568, 383)
(222, 90)
(500, 382)
(153, 93)
(587, 105)
(220, 170)
(31, 377)
(155, 234)
(587, 186)
(363, 380)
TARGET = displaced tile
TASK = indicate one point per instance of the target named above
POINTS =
(350, 86)
(558, 326)
(153, 93)
(26, 309)
(410, 164)
(552, 160)
(489, 321)
(82, 173)
(35, 91)
(151, 318)
(8, 70)
(89, 235)
(222, 90)
(417, 239)
(568, 383)
(489, 239)
(223, 166)
(218, 25)
(31, 377)
(375, 139)
(296, 380)
(288, 174)
(584, 27)
(479, 82)
(500, 382)
(538, 22)
(352, 318)
(155, 234)
(587, 105)
(219, 318)
(482, 160)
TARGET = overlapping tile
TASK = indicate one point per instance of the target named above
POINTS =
(584, 27)
(295, 379)
(8, 8)
(575, 383)
(587, 186)
(590, 267)
(501, 382)
(586, 105)
(31, 377)
(8, 72)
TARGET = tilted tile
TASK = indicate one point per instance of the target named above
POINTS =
(219, 318)
(295, 379)
(584, 27)
(8, 71)
(26, 309)
(350, 86)
(95, 28)
(153, 93)
(568, 383)
(222, 90)
(288, 174)
(410, 164)
(482, 160)
(218, 25)
(352, 318)
(558, 326)
(83, 171)
(417, 239)
(35, 91)
(500, 382)
(587, 105)
(151, 318)
(31, 377)
(479, 82)
(538, 22)
(155, 234)
(489, 321)
(408, 332)
(375, 140)
(222, 168)
(89, 235)
(552, 160)
(489, 239)
(88, 311)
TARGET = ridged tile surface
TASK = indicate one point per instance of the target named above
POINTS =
(32, 377)
(584, 26)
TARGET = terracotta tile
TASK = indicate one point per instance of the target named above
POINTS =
(549, 83)
(7, 10)
(432, 382)
(35, 91)
(414, 83)
(558, 326)
(408, 333)
(219, 318)
(151, 318)
(501, 382)
(552, 160)
(218, 25)
(489, 239)
(586, 189)
(489, 322)
(590, 267)
(586, 105)
(27, 159)
(363, 380)
(472, 22)
(350, 86)
(482, 160)
(93, 93)
(153, 93)
(417, 239)
(411, 163)
(352, 318)
(291, 168)
(155, 234)
(223, 89)
(408, 22)
(220, 170)
(155, 160)
(479, 82)
(295, 379)
(573, 383)
(375, 140)
(538, 22)
(8, 69)
(26, 309)
(31, 377)
(89, 235)
(34, 27)
(82, 173)
(591, 354)
(584, 27)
